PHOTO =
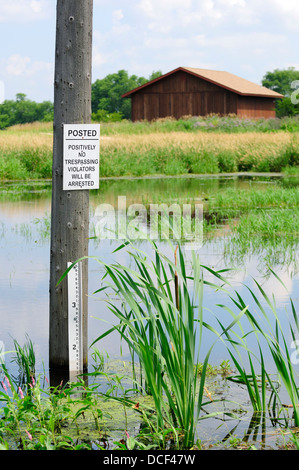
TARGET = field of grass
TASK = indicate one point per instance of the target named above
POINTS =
(26, 152)
(165, 147)
(163, 321)
(160, 325)
(197, 153)
(256, 220)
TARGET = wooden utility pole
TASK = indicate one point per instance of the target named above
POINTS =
(70, 209)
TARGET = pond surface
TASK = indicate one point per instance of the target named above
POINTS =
(24, 253)
(25, 248)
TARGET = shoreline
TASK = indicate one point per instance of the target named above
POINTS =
(161, 176)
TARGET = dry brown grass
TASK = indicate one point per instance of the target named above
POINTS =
(247, 143)
(168, 152)
(40, 135)
(27, 136)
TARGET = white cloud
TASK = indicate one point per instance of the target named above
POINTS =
(36, 6)
(154, 42)
(17, 65)
(287, 7)
(99, 58)
(120, 29)
(154, 8)
(159, 28)
(117, 16)
(191, 13)
(254, 41)
(172, 20)
(288, 11)
(247, 37)
(233, 35)
(233, 3)
(24, 10)
(22, 74)
(163, 14)
(108, 44)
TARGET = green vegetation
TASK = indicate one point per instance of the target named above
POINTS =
(108, 106)
(263, 222)
(249, 220)
(257, 219)
(164, 330)
(106, 95)
(162, 319)
(22, 110)
(157, 301)
(165, 147)
(26, 164)
(211, 123)
(232, 202)
(285, 82)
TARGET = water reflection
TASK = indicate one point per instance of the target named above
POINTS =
(24, 259)
(142, 190)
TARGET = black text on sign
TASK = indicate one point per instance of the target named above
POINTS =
(81, 156)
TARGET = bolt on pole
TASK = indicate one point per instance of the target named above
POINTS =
(70, 209)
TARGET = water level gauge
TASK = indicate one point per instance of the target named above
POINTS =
(75, 320)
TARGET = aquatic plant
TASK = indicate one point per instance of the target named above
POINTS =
(161, 320)
(24, 357)
(32, 421)
(265, 325)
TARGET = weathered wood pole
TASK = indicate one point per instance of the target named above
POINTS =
(70, 209)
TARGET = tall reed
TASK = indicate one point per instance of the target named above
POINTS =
(169, 147)
(25, 359)
(161, 320)
(266, 325)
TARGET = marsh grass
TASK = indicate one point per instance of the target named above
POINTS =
(160, 319)
(266, 326)
(197, 153)
(24, 357)
(263, 221)
(213, 123)
(269, 224)
(167, 147)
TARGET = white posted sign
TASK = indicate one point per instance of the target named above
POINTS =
(81, 156)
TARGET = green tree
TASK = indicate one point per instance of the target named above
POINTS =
(285, 82)
(22, 110)
(155, 74)
(106, 94)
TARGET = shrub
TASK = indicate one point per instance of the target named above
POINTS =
(227, 162)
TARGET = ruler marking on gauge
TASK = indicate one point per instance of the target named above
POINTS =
(75, 319)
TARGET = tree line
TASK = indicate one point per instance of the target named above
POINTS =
(108, 104)
(22, 110)
(285, 82)
(106, 95)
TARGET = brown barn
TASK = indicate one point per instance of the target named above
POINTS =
(199, 92)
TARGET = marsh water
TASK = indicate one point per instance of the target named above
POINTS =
(24, 259)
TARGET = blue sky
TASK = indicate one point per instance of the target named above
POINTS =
(244, 37)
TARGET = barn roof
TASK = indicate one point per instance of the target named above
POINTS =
(223, 79)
